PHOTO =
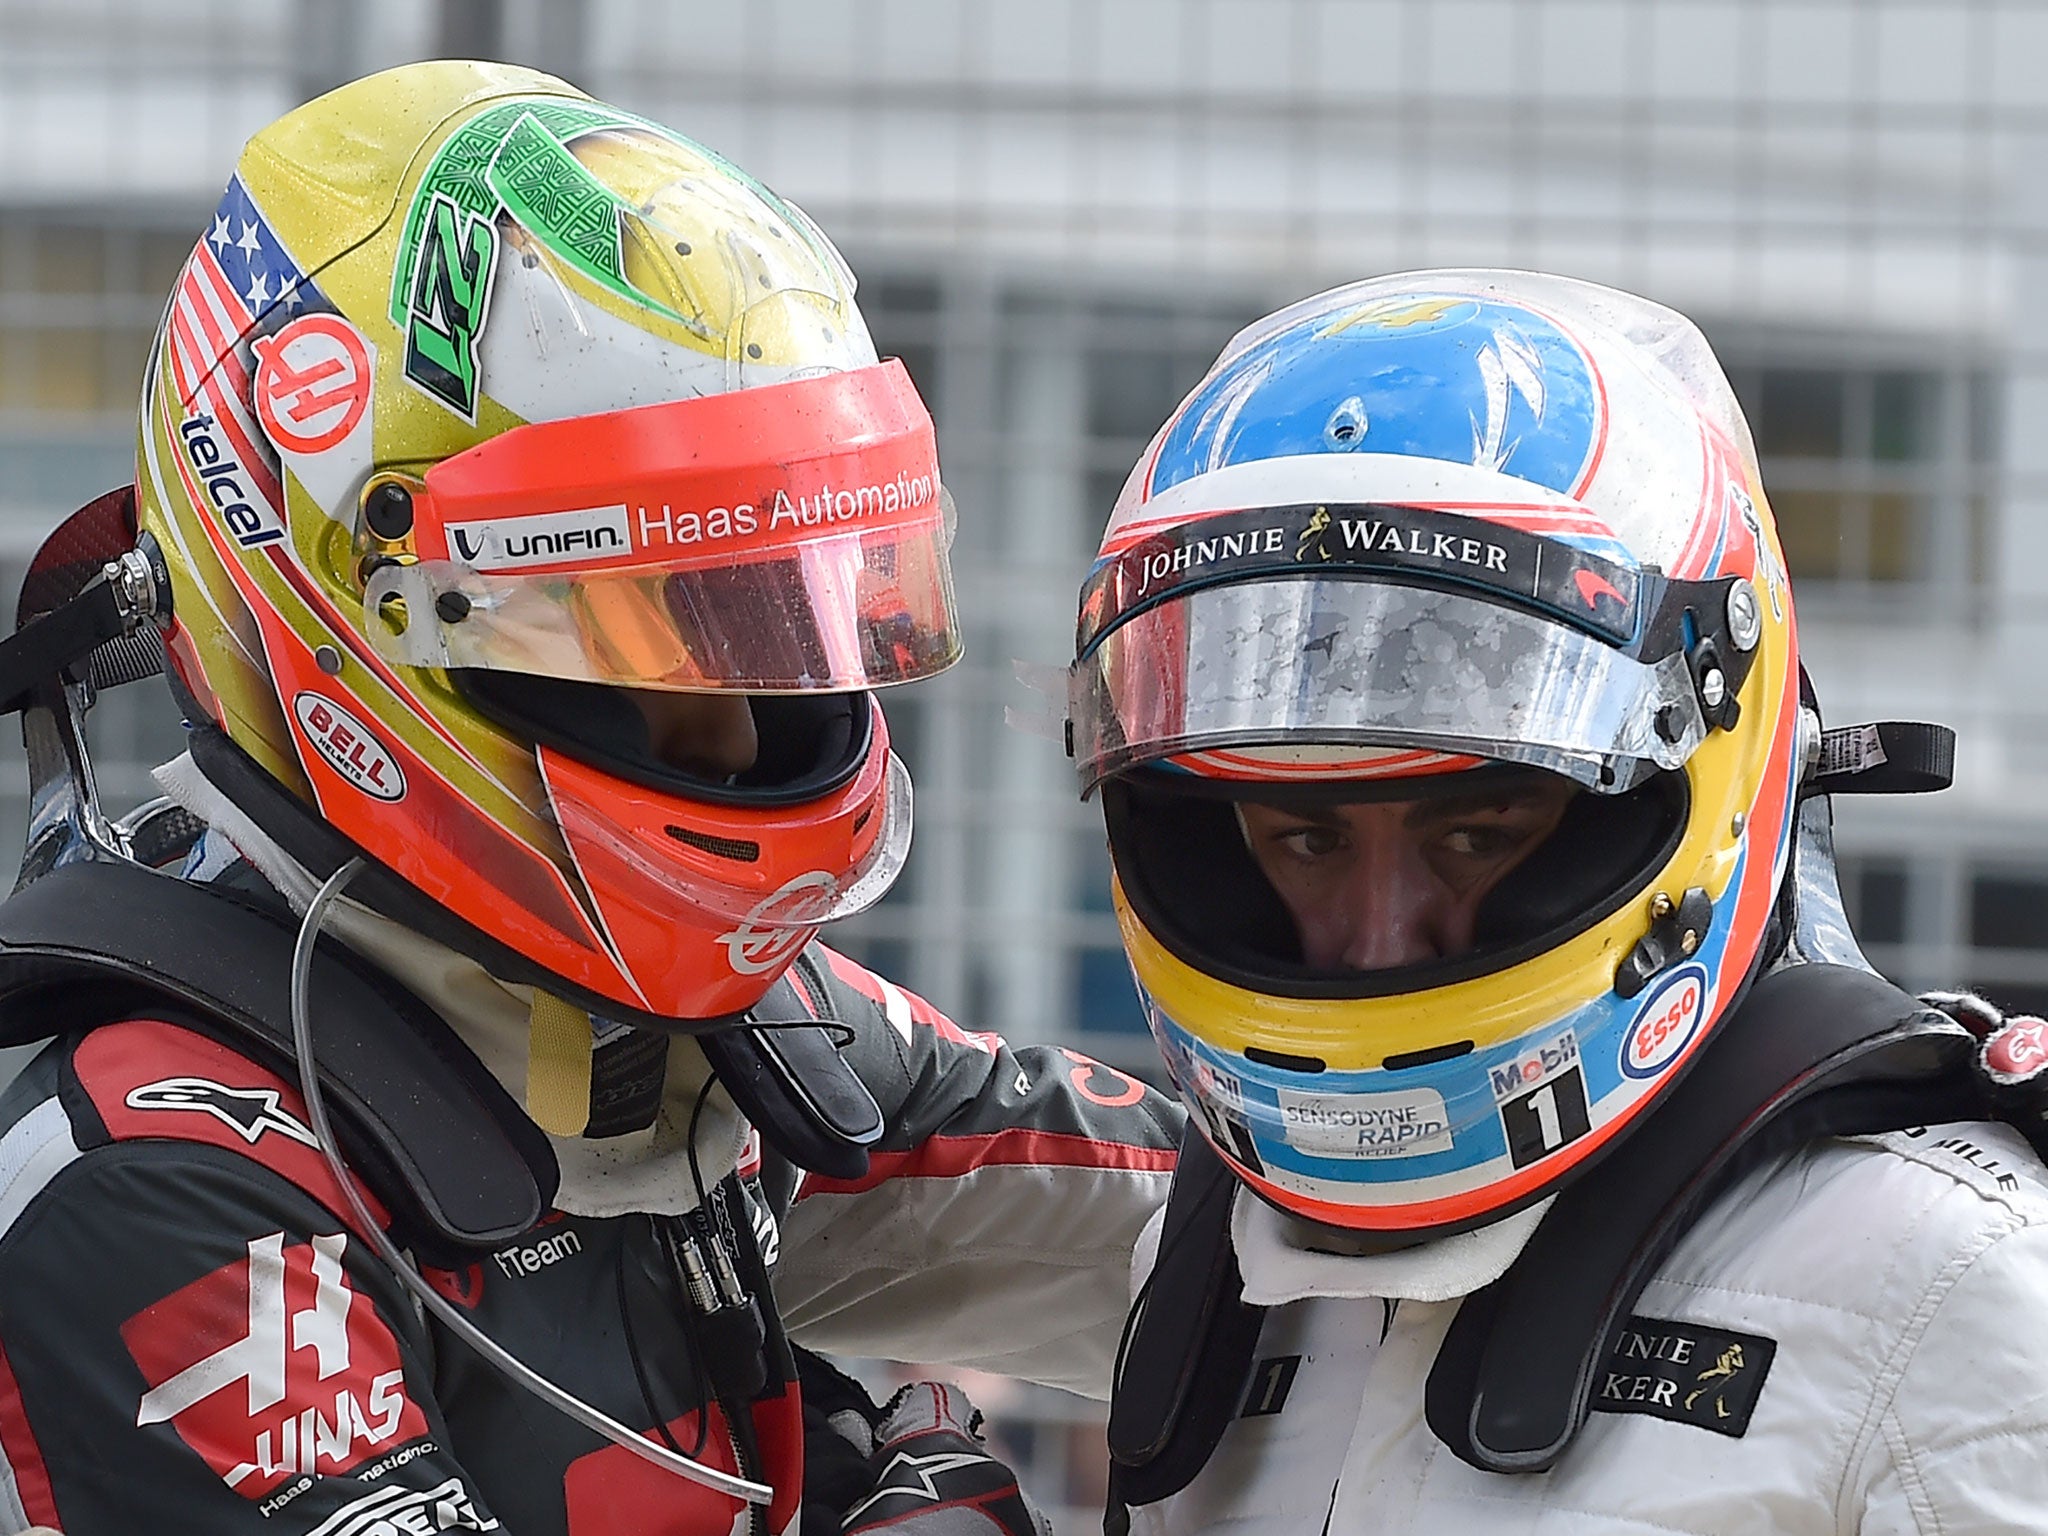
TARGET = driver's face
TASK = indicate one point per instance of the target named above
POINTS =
(708, 734)
(1394, 882)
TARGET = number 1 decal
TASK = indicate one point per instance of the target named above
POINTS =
(1272, 1380)
(1546, 1118)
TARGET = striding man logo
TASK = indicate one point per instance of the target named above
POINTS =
(1685, 1372)
(1722, 1371)
(1317, 530)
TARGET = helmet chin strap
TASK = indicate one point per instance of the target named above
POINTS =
(507, 1365)
(558, 1065)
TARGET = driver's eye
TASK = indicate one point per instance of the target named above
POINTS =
(1314, 842)
(1479, 842)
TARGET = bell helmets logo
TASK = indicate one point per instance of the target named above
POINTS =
(1666, 1020)
(312, 383)
(272, 1367)
(349, 747)
(769, 936)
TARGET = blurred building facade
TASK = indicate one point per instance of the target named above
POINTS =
(1061, 210)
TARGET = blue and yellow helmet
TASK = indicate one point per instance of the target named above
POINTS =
(1438, 529)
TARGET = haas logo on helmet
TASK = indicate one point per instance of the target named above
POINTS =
(780, 925)
(312, 383)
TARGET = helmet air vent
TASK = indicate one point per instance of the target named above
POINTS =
(740, 849)
(1429, 1056)
(1285, 1062)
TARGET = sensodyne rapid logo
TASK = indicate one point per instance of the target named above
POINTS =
(1404, 1124)
(546, 538)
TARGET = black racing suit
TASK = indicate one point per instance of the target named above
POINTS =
(193, 1339)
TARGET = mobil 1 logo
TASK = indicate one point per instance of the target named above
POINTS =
(1542, 1098)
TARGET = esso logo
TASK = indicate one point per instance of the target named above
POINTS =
(769, 936)
(348, 747)
(312, 383)
(1666, 1021)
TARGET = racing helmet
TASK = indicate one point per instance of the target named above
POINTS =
(478, 406)
(1444, 533)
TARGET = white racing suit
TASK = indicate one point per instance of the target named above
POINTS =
(1850, 1341)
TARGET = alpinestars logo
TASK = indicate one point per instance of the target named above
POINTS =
(249, 1112)
(913, 1478)
(269, 1367)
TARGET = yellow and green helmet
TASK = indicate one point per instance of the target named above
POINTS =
(479, 403)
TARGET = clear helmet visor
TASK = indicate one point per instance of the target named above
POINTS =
(1344, 661)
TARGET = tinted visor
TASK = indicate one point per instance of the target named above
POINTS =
(783, 539)
(844, 612)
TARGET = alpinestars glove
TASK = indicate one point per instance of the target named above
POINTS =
(931, 1474)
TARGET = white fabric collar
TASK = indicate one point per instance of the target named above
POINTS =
(645, 1170)
(1277, 1270)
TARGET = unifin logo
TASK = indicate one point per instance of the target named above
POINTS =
(545, 538)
